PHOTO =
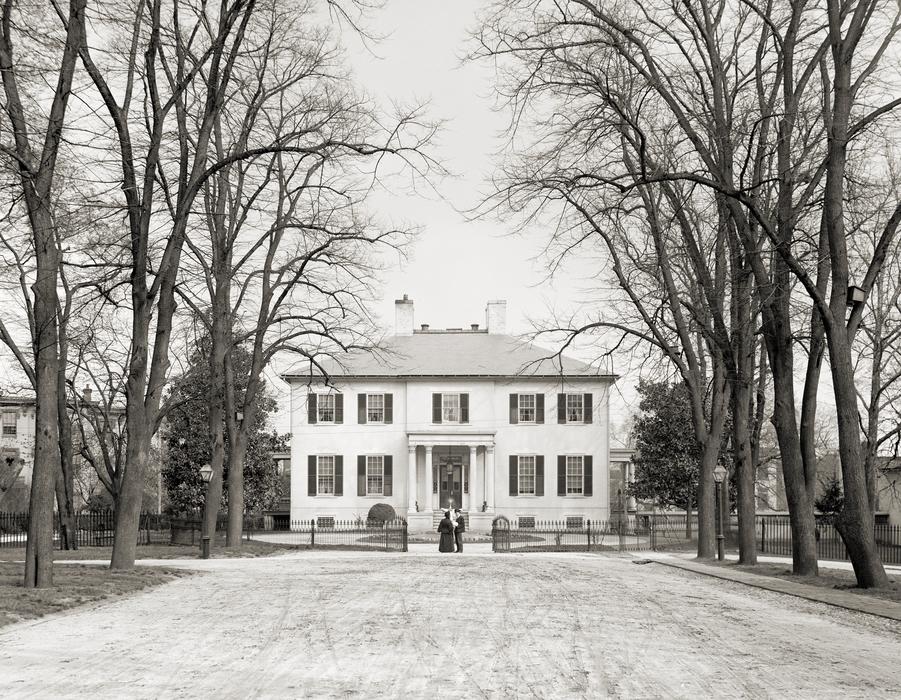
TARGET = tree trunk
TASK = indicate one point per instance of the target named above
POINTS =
(65, 477)
(744, 474)
(707, 497)
(800, 508)
(131, 491)
(236, 490)
(855, 522)
(39, 548)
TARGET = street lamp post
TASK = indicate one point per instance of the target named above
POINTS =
(206, 474)
(719, 475)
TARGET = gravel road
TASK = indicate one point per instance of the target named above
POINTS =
(357, 624)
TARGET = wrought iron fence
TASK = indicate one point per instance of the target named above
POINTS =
(774, 537)
(92, 529)
(621, 534)
(390, 536)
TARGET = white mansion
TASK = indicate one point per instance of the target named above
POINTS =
(471, 418)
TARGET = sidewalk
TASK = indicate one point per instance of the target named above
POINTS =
(830, 596)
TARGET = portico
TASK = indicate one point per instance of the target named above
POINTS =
(450, 470)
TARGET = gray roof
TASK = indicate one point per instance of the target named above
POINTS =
(427, 354)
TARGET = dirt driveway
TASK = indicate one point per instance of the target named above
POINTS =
(330, 624)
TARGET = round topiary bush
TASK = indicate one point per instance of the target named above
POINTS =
(380, 514)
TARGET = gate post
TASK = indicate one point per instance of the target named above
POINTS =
(405, 535)
(763, 534)
(312, 533)
(588, 533)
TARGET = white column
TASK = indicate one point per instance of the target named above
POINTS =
(411, 479)
(475, 493)
(430, 478)
(489, 477)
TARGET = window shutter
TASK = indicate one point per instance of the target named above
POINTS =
(561, 408)
(539, 475)
(588, 476)
(339, 475)
(561, 475)
(514, 408)
(339, 408)
(464, 408)
(311, 475)
(361, 475)
(514, 475)
(539, 408)
(311, 408)
(389, 408)
(436, 408)
(361, 408)
(389, 472)
(586, 407)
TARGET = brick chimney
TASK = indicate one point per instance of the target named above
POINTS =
(86, 394)
(496, 317)
(403, 316)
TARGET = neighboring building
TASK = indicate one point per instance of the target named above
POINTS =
(16, 451)
(453, 418)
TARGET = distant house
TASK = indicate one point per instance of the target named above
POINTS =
(469, 418)
(16, 451)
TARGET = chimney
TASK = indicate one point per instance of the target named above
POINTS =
(496, 317)
(473, 326)
(403, 316)
(86, 394)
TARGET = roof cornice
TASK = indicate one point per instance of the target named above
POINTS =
(453, 377)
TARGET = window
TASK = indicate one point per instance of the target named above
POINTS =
(527, 521)
(325, 475)
(450, 408)
(575, 522)
(574, 473)
(375, 408)
(9, 422)
(375, 475)
(325, 522)
(527, 408)
(326, 408)
(527, 475)
(574, 408)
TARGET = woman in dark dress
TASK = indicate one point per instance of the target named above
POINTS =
(446, 531)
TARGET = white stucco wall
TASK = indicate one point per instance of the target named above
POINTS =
(488, 414)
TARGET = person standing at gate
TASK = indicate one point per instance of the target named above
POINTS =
(446, 533)
(459, 530)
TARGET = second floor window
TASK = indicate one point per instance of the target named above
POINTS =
(9, 423)
(574, 404)
(326, 407)
(375, 408)
(527, 408)
(450, 408)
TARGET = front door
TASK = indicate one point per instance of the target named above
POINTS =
(451, 484)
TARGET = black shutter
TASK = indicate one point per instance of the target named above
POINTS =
(561, 408)
(311, 475)
(561, 475)
(361, 475)
(339, 475)
(588, 476)
(539, 408)
(339, 408)
(436, 408)
(311, 409)
(586, 407)
(464, 408)
(514, 408)
(361, 408)
(389, 408)
(389, 472)
(539, 475)
(514, 475)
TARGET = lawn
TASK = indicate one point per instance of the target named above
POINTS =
(254, 548)
(74, 585)
(828, 578)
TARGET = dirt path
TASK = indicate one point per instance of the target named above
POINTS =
(329, 624)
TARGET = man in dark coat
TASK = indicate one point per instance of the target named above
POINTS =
(446, 532)
(460, 529)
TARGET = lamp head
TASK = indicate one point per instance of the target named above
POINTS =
(206, 473)
(719, 473)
